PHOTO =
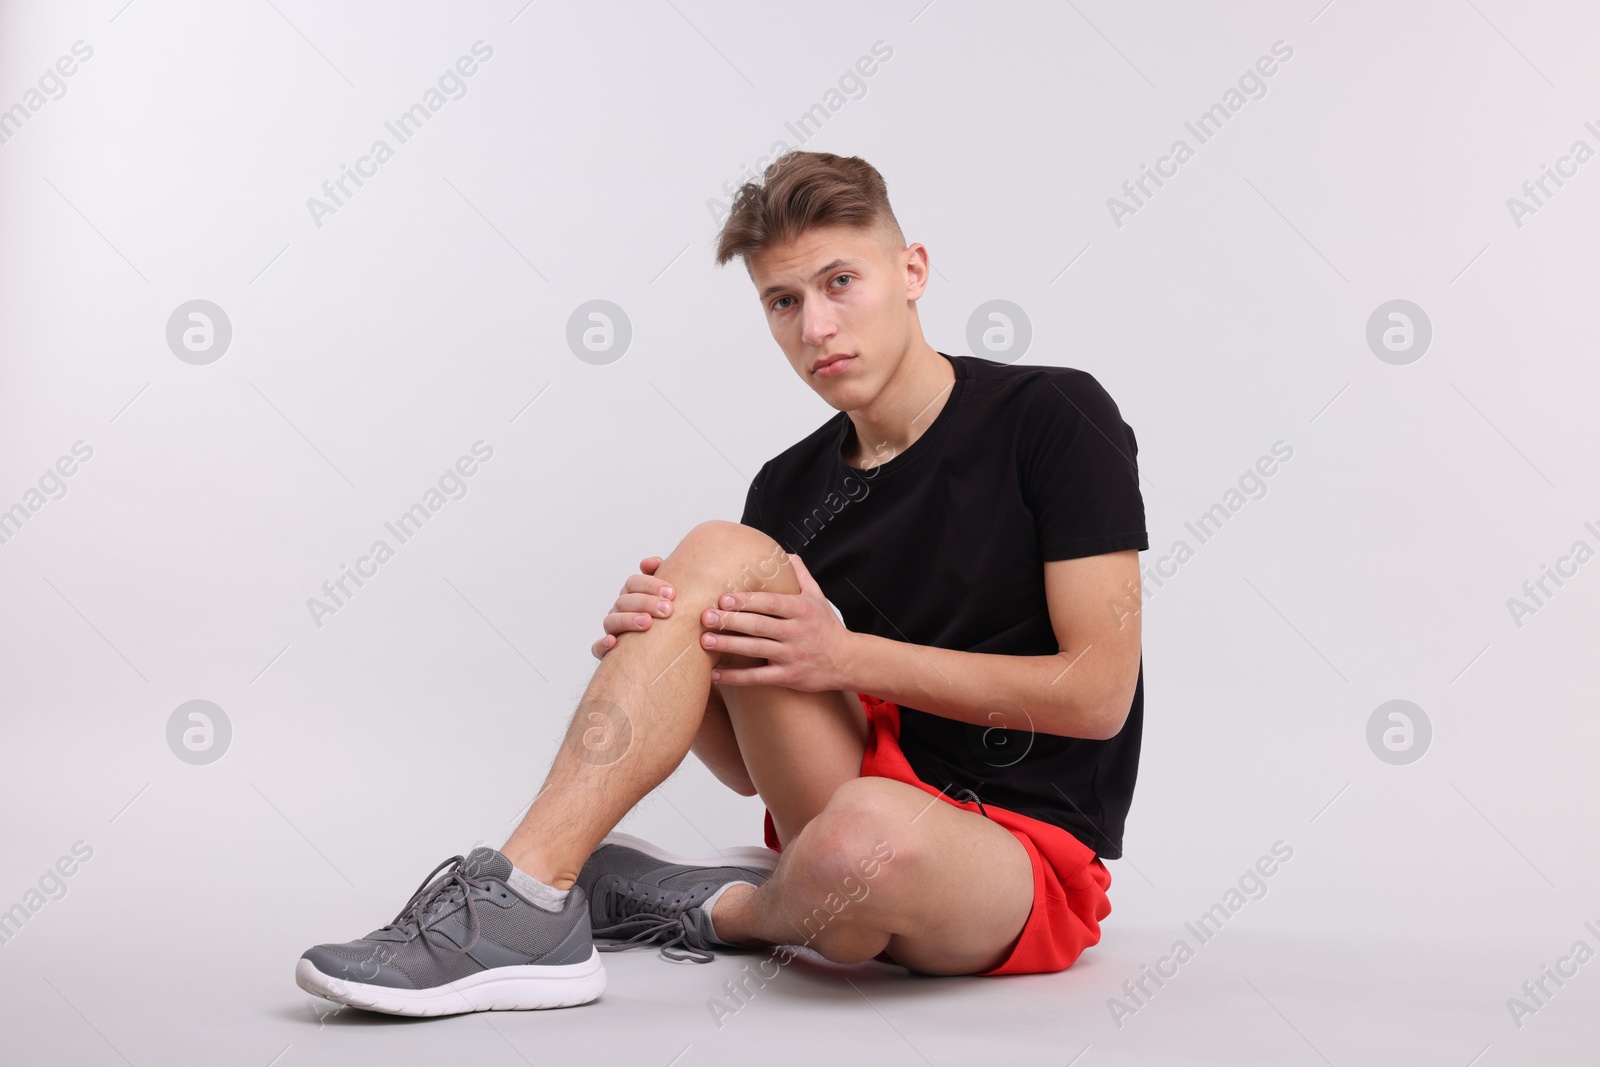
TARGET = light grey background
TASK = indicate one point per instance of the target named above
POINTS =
(430, 312)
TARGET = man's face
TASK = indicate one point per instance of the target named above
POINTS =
(837, 291)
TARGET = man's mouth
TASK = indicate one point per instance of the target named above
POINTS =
(831, 366)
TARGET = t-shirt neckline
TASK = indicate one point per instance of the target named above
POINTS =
(921, 445)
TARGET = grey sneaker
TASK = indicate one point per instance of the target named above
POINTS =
(464, 942)
(645, 894)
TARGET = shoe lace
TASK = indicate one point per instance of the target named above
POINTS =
(649, 915)
(457, 883)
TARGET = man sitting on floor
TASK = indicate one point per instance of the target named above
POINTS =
(945, 757)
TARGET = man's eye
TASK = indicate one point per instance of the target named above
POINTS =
(844, 276)
(777, 305)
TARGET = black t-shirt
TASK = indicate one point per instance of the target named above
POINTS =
(945, 545)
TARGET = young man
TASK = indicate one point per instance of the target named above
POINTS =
(944, 757)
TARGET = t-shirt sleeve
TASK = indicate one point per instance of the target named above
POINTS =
(1078, 463)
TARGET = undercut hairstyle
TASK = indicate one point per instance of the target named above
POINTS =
(803, 190)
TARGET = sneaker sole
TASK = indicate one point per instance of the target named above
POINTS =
(755, 857)
(525, 988)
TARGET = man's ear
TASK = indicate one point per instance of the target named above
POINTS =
(915, 267)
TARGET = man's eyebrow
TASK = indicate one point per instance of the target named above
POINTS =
(826, 268)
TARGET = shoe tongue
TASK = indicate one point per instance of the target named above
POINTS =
(485, 862)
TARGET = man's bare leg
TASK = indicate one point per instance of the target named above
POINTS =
(793, 748)
(952, 897)
(885, 865)
(950, 900)
(644, 706)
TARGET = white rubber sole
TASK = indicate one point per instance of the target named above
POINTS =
(525, 988)
(756, 857)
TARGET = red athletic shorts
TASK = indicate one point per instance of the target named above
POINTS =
(1069, 881)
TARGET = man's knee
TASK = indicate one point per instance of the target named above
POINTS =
(867, 829)
(734, 558)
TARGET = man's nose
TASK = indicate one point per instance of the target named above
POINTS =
(816, 322)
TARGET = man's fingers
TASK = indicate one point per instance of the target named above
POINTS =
(626, 622)
(756, 647)
(644, 583)
(780, 605)
(645, 602)
(767, 675)
(744, 622)
(643, 596)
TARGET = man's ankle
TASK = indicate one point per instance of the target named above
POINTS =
(730, 913)
(531, 862)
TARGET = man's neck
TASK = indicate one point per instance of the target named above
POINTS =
(904, 410)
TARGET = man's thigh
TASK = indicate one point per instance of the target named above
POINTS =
(716, 746)
(792, 748)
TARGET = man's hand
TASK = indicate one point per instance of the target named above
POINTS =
(643, 596)
(805, 645)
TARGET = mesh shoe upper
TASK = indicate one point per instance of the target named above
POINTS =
(459, 923)
(640, 898)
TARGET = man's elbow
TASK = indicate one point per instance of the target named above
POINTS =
(1109, 722)
(1103, 719)
(1098, 722)
(1109, 714)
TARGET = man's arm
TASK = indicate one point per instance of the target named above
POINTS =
(1082, 691)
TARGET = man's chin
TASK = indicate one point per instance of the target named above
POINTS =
(844, 397)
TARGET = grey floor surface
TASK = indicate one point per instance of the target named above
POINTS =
(181, 996)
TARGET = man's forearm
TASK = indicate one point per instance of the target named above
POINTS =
(1074, 693)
